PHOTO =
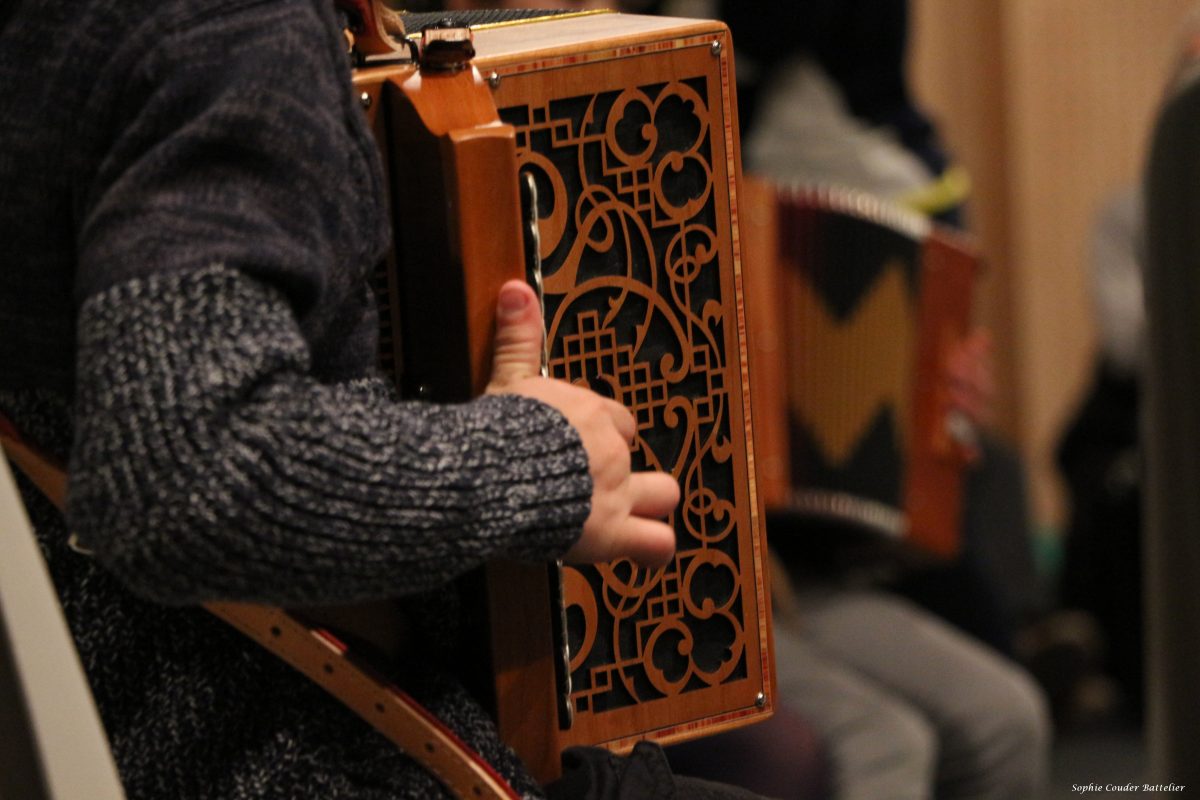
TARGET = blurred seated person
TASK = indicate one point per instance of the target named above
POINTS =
(905, 704)
(826, 102)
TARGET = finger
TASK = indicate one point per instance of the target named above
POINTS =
(983, 379)
(654, 494)
(969, 403)
(623, 419)
(519, 333)
(980, 340)
(646, 542)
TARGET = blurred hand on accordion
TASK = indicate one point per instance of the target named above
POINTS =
(969, 373)
(972, 386)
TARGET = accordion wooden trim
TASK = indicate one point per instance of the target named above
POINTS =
(638, 221)
(885, 352)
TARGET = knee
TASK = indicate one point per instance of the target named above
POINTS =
(1027, 731)
(893, 754)
(1008, 741)
(913, 740)
(1027, 721)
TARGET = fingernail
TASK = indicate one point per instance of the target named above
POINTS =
(513, 301)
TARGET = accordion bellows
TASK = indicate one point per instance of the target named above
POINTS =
(858, 305)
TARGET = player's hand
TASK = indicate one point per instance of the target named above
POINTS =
(627, 507)
(969, 375)
(971, 390)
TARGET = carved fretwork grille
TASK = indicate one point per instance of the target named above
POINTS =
(634, 309)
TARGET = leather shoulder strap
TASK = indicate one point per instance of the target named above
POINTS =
(321, 657)
(47, 474)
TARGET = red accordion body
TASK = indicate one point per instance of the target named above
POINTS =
(857, 304)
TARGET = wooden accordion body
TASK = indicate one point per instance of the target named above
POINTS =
(627, 127)
(858, 304)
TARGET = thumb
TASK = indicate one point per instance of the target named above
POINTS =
(519, 332)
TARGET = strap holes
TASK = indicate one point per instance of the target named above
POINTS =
(329, 669)
(380, 707)
(429, 748)
(276, 631)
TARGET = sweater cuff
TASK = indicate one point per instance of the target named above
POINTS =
(540, 492)
(209, 463)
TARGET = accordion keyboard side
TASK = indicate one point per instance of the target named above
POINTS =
(632, 143)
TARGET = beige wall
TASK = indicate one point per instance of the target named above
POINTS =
(1048, 103)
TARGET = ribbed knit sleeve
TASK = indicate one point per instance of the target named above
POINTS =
(229, 441)
(208, 465)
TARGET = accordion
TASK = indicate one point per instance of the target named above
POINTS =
(597, 153)
(857, 305)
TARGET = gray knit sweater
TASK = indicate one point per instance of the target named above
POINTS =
(189, 207)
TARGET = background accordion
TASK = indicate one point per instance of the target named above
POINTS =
(857, 306)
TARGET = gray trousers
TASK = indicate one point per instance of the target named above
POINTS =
(907, 706)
